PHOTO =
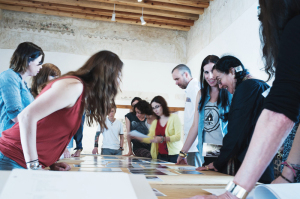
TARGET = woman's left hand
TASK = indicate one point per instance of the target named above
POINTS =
(208, 167)
(156, 139)
(61, 166)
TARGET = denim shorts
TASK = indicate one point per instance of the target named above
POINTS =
(7, 163)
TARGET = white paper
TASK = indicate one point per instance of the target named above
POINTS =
(27, 184)
(218, 192)
(278, 191)
(135, 133)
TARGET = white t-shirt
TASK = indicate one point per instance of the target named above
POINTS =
(111, 136)
(191, 94)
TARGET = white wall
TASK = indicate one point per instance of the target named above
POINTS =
(240, 39)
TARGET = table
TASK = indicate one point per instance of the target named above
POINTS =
(178, 186)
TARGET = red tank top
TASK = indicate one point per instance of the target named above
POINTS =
(53, 134)
(161, 131)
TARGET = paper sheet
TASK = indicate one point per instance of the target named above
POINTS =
(277, 191)
(135, 133)
(62, 185)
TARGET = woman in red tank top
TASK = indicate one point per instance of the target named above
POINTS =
(47, 125)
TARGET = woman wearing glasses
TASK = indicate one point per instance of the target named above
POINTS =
(211, 105)
(164, 133)
(246, 107)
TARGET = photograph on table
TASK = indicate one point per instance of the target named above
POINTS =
(211, 150)
(146, 172)
(189, 172)
(101, 169)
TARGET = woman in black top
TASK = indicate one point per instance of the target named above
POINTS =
(246, 106)
(280, 36)
(137, 121)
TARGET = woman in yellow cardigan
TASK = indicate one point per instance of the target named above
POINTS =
(164, 133)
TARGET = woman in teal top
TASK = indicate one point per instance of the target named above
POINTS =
(211, 105)
(14, 93)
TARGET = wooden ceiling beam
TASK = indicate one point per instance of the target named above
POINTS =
(123, 8)
(58, 7)
(90, 17)
(158, 5)
(193, 3)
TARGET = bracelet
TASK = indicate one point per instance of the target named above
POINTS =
(33, 165)
(96, 145)
(285, 178)
(182, 154)
(287, 164)
(162, 139)
(236, 190)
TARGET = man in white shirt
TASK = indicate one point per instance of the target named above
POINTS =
(183, 78)
(113, 136)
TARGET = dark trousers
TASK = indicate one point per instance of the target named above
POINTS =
(78, 136)
(168, 158)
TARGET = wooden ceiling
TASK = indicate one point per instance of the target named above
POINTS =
(169, 14)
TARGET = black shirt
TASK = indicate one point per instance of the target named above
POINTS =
(246, 107)
(140, 126)
(284, 96)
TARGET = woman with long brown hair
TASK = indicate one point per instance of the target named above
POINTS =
(47, 125)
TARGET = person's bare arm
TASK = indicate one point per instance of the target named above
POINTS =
(63, 93)
(270, 132)
(193, 132)
(121, 140)
(127, 123)
(95, 150)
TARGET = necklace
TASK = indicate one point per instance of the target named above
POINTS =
(111, 122)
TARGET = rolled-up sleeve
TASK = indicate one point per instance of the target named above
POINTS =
(10, 91)
(284, 96)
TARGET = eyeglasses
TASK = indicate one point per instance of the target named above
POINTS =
(219, 79)
(156, 107)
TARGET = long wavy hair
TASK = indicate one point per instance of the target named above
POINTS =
(223, 98)
(100, 75)
(39, 81)
(274, 15)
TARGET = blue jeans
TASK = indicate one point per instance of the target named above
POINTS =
(193, 159)
(8, 164)
(78, 136)
(105, 151)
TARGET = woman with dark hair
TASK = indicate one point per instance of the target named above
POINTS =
(138, 121)
(164, 133)
(246, 106)
(47, 125)
(14, 93)
(47, 73)
(210, 108)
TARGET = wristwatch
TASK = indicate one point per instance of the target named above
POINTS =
(236, 190)
(162, 139)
